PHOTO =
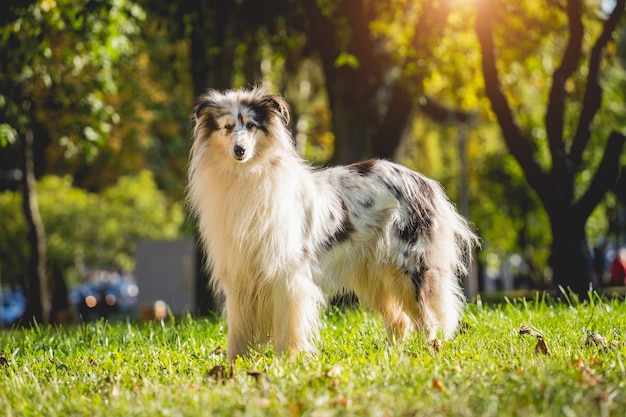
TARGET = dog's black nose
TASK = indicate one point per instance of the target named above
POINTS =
(239, 151)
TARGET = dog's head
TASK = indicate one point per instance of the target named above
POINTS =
(239, 129)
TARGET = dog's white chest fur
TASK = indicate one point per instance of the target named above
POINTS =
(252, 230)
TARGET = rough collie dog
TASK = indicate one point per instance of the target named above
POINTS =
(281, 236)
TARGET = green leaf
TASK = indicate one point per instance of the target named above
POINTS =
(346, 59)
(8, 135)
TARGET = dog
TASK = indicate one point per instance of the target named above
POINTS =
(282, 237)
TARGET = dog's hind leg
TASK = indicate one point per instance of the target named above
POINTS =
(375, 295)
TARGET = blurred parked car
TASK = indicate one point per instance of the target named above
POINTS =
(105, 295)
(13, 306)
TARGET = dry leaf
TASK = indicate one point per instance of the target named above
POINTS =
(219, 374)
(588, 375)
(528, 330)
(343, 402)
(579, 364)
(464, 327)
(435, 344)
(334, 371)
(257, 375)
(541, 346)
(596, 339)
(591, 378)
(263, 383)
(438, 385)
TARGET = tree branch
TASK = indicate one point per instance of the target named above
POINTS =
(406, 91)
(556, 103)
(593, 90)
(430, 25)
(519, 145)
(440, 113)
(400, 107)
(605, 177)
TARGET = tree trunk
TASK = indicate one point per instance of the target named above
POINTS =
(38, 305)
(352, 85)
(211, 48)
(212, 59)
(352, 124)
(570, 258)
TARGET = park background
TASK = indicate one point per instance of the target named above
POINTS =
(517, 108)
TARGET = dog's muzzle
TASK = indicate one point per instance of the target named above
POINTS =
(239, 152)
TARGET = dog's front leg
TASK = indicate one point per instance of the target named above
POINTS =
(239, 328)
(297, 302)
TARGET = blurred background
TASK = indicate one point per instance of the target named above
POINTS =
(517, 108)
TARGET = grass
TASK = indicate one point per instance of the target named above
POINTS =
(178, 368)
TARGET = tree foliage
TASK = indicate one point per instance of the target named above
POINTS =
(566, 138)
(58, 67)
(107, 92)
(57, 59)
(84, 229)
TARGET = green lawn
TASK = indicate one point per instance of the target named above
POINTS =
(178, 369)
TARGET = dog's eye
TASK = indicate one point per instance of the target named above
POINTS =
(250, 125)
(228, 127)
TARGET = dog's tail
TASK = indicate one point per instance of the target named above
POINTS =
(449, 255)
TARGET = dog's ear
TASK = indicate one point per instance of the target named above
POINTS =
(207, 100)
(207, 106)
(278, 105)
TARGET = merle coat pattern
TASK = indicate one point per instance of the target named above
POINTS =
(281, 237)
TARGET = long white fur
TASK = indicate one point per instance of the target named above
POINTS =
(281, 236)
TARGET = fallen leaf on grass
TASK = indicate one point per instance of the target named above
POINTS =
(464, 327)
(528, 330)
(219, 373)
(334, 371)
(435, 344)
(588, 375)
(343, 402)
(596, 339)
(541, 347)
(438, 385)
(257, 375)
(264, 385)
